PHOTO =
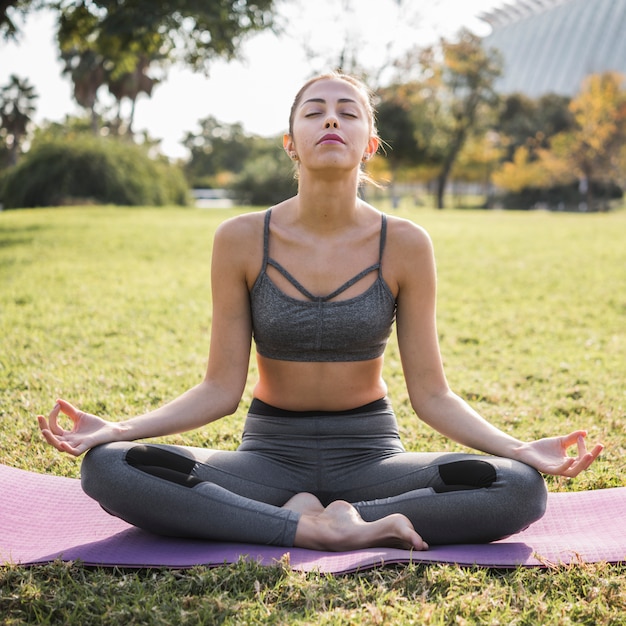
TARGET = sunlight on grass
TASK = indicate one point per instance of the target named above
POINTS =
(110, 308)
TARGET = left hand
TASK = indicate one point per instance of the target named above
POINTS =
(550, 456)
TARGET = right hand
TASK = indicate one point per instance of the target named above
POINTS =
(87, 430)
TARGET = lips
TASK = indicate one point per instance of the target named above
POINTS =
(331, 138)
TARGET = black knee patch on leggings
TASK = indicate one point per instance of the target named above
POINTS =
(462, 475)
(162, 463)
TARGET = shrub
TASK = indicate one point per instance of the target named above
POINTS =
(90, 170)
(265, 180)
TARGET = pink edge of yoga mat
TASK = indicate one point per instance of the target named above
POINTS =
(45, 517)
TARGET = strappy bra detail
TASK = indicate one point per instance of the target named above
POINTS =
(321, 328)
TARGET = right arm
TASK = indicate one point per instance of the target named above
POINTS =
(219, 392)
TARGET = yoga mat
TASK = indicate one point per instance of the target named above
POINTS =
(44, 517)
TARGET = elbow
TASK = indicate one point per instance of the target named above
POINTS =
(232, 406)
(425, 400)
(224, 397)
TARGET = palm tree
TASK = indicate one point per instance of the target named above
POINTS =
(16, 110)
(130, 85)
(86, 68)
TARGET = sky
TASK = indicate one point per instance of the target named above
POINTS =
(256, 91)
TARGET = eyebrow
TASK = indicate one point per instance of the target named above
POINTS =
(322, 101)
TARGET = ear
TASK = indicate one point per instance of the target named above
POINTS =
(288, 144)
(372, 146)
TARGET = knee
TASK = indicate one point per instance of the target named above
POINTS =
(98, 467)
(529, 489)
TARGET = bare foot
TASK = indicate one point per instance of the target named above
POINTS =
(340, 527)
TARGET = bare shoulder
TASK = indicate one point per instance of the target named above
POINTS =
(238, 247)
(240, 228)
(407, 238)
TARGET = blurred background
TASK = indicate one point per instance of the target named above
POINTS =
(482, 103)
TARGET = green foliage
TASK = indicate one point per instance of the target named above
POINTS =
(449, 99)
(12, 15)
(93, 170)
(531, 123)
(111, 309)
(587, 145)
(265, 179)
(216, 149)
(17, 106)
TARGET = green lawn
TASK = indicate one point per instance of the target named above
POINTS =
(110, 308)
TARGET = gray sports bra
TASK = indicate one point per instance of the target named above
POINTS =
(320, 328)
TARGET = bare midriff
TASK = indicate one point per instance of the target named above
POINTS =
(296, 386)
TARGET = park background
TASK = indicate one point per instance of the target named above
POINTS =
(107, 300)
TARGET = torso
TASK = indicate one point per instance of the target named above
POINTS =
(321, 265)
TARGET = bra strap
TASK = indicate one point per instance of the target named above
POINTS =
(383, 238)
(266, 239)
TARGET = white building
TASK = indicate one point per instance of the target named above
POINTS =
(550, 46)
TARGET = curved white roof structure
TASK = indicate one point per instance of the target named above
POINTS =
(549, 46)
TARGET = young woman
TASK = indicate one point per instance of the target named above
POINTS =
(318, 281)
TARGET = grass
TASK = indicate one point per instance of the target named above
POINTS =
(110, 308)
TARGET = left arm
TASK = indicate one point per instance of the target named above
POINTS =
(429, 392)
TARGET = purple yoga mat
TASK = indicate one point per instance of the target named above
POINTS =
(43, 518)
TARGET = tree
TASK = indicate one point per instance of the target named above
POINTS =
(86, 69)
(396, 118)
(10, 12)
(531, 123)
(17, 106)
(595, 147)
(590, 154)
(458, 93)
(187, 31)
(120, 43)
(216, 149)
(130, 85)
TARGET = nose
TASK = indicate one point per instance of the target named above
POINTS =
(331, 122)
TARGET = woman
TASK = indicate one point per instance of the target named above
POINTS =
(318, 281)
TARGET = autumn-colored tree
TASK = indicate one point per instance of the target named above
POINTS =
(456, 93)
(592, 152)
(480, 157)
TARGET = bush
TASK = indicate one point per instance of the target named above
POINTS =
(562, 197)
(265, 180)
(91, 170)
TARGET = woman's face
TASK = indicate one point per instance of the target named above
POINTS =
(331, 127)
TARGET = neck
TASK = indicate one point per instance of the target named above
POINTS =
(324, 204)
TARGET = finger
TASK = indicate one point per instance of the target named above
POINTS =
(582, 448)
(579, 466)
(585, 461)
(49, 436)
(61, 446)
(43, 422)
(562, 469)
(52, 420)
(597, 451)
(572, 438)
(67, 409)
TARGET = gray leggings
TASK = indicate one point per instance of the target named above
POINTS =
(347, 455)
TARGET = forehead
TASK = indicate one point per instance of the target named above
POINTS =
(330, 89)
